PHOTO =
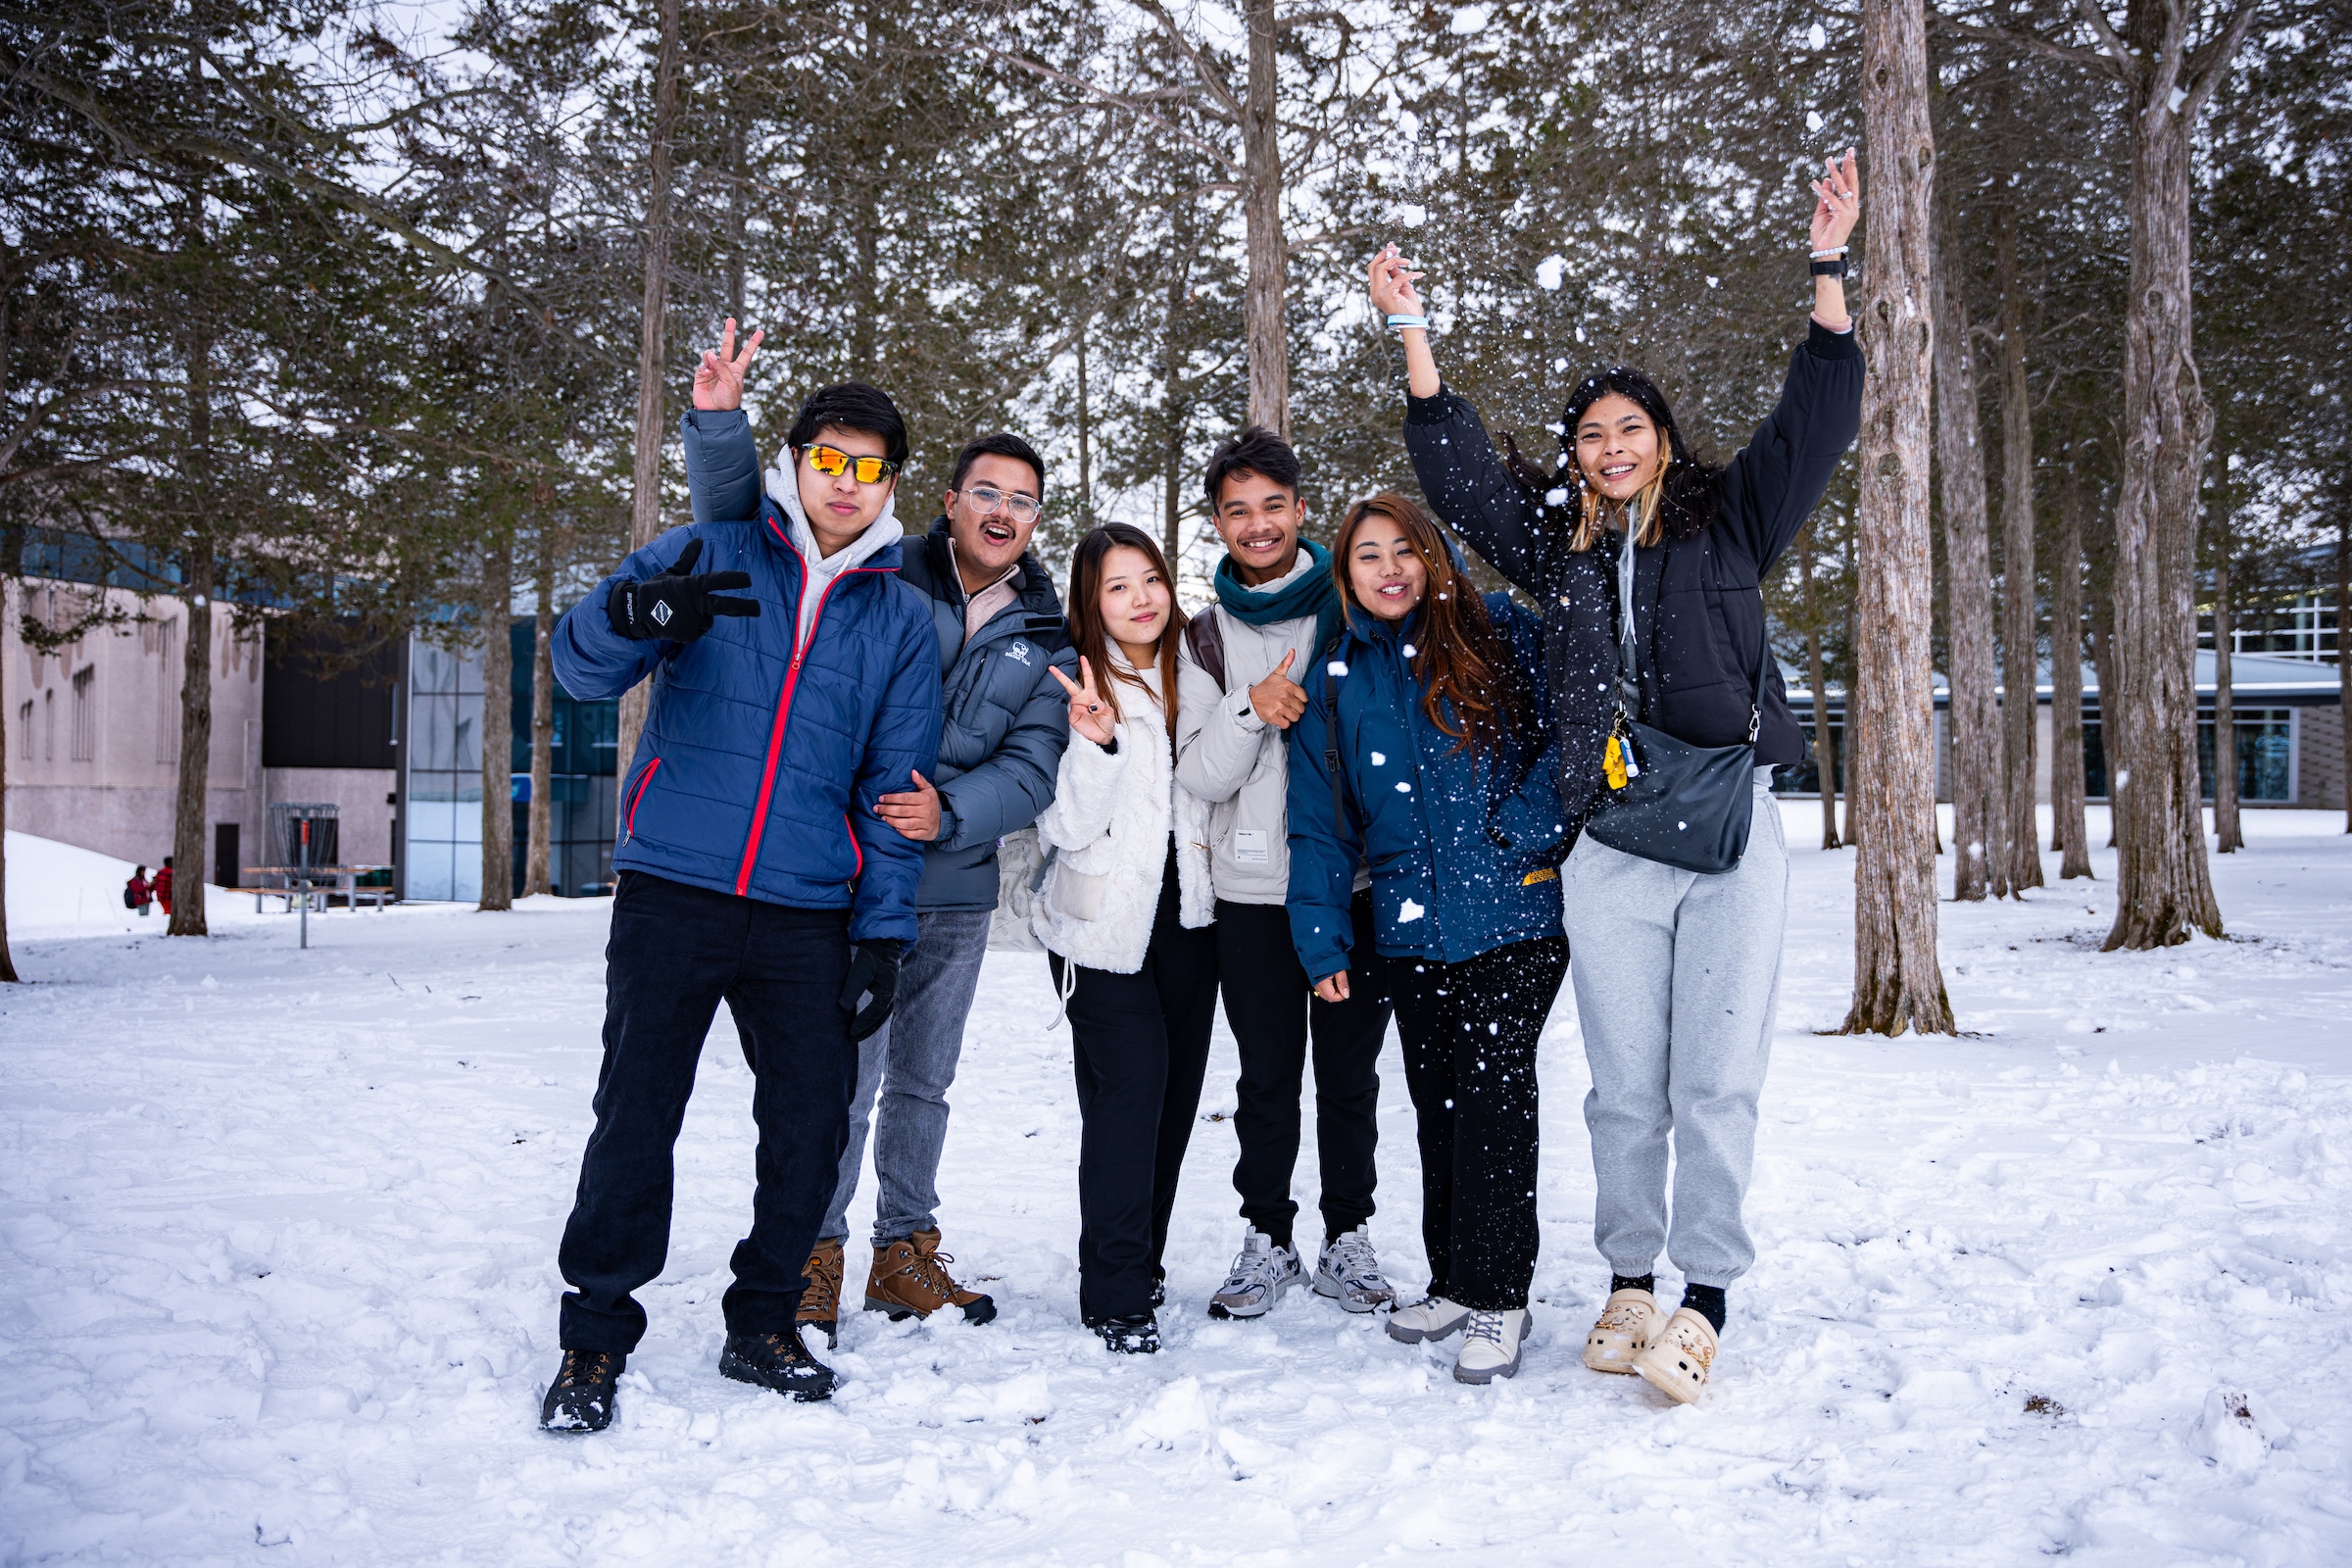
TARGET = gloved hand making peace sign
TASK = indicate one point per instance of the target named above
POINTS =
(677, 603)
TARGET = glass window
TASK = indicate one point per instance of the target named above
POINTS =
(2265, 753)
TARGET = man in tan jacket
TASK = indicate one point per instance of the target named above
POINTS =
(1240, 669)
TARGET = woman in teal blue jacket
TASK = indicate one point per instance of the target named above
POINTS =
(1422, 754)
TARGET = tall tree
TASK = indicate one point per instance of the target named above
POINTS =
(1897, 981)
(2020, 599)
(493, 609)
(538, 850)
(1980, 760)
(645, 510)
(2068, 834)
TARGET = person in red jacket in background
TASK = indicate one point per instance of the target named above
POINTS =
(138, 892)
(162, 885)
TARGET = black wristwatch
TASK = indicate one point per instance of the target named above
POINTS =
(1832, 267)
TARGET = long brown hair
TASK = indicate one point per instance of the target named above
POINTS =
(1462, 659)
(1087, 632)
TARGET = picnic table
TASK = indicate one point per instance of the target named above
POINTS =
(320, 882)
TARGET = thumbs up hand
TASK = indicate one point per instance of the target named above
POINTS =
(1279, 699)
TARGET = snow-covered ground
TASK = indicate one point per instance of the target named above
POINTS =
(278, 1269)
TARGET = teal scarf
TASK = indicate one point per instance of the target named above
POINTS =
(1310, 594)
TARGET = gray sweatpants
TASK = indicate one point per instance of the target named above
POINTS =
(1676, 977)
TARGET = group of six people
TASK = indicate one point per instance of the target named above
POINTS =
(1352, 788)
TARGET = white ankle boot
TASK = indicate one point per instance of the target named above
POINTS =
(1491, 1345)
(1629, 1320)
(1433, 1317)
(1680, 1356)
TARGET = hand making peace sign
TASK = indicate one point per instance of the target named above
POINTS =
(718, 379)
(1838, 202)
(1087, 716)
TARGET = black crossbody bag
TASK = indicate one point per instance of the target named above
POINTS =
(1688, 806)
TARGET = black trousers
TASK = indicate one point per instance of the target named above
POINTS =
(1140, 1048)
(674, 951)
(1469, 1031)
(1273, 1010)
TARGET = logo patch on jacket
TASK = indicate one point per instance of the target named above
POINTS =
(1019, 651)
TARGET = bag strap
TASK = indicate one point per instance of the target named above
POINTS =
(1330, 734)
(1205, 639)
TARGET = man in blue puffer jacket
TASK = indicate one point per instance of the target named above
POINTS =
(1005, 722)
(753, 867)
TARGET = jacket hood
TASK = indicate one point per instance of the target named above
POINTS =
(880, 534)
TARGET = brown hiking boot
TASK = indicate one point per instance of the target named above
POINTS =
(910, 1276)
(820, 1301)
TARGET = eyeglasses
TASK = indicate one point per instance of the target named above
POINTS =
(986, 499)
(832, 461)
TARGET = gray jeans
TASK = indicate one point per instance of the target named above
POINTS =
(911, 1059)
(1677, 978)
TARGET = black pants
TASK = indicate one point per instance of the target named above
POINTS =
(1272, 1012)
(674, 951)
(1470, 1032)
(1140, 1048)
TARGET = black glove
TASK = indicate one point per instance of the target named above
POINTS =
(874, 975)
(675, 605)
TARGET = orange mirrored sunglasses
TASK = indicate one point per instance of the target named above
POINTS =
(831, 460)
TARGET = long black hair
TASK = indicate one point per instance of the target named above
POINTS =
(1091, 638)
(1680, 503)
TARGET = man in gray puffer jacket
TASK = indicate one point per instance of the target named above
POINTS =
(1005, 723)
(1240, 667)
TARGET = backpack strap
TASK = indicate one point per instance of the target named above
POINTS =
(1204, 638)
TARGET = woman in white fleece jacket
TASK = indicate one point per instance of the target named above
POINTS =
(1125, 911)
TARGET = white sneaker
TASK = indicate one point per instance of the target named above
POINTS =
(1349, 1273)
(1680, 1358)
(1492, 1342)
(1260, 1273)
(1629, 1320)
(1433, 1317)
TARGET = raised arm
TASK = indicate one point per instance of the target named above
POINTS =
(1778, 478)
(722, 461)
(1467, 482)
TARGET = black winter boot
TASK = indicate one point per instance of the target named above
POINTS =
(778, 1361)
(1138, 1335)
(580, 1400)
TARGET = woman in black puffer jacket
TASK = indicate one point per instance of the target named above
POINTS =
(1647, 565)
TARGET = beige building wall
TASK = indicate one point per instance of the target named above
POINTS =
(363, 820)
(93, 731)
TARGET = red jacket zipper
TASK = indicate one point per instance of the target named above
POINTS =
(776, 738)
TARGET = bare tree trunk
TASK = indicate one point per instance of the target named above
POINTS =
(2228, 838)
(2164, 883)
(1897, 984)
(538, 852)
(1824, 745)
(1855, 762)
(189, 845)
(2343, 650)
(498, 725)
(1980, 827)
(1265, 337)
(2019, 628)
(645, 508)
(2102, 668)
(2068, 834)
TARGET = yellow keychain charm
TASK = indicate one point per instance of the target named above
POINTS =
(1612, 763)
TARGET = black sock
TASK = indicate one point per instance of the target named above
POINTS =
(1633, 1281)
(1280, 1235)
(1707, 1301)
